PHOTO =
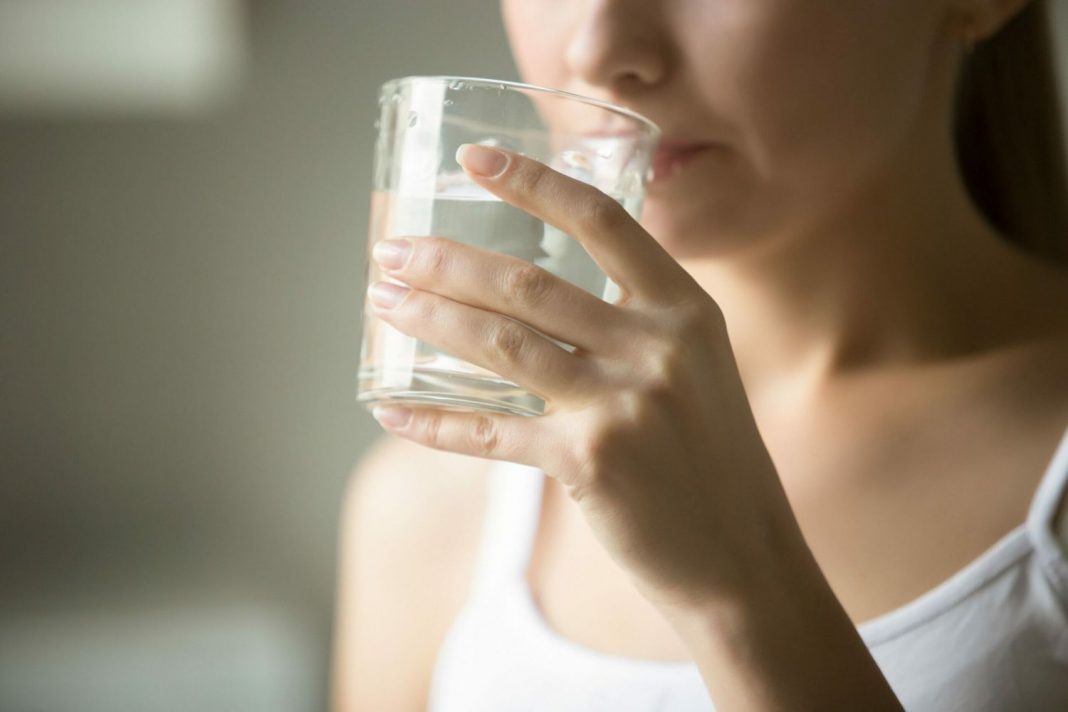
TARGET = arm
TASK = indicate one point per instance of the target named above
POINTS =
(408, 517)
(648, 428)
(783, 642)
(378, 660)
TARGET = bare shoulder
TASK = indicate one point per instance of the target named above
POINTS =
(1028, 322)
(415, 479)
(410, 525)
(1045, 372)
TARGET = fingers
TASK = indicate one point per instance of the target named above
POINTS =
(616, 242)
(495, 436)
(487, 339)
(510, 286)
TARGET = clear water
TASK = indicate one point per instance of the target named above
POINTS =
(396, 367)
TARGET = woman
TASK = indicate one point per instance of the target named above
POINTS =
(808, 461)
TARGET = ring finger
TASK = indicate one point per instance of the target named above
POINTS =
(488, 339)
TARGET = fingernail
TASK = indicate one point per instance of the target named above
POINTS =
(386, 294)
(391, 254)
(392, 416)
(483, 160)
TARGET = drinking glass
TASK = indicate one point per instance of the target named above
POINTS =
(419, 190)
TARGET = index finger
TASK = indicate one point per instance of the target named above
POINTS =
(614, 240)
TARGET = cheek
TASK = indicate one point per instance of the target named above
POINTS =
(537, 34)
(829, 90)
(813, 96)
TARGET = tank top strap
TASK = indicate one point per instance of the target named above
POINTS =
(513, 507)
(1042, 520)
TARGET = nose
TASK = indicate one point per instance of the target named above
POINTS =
(619, 46)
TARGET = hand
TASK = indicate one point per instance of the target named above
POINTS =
(646, 424)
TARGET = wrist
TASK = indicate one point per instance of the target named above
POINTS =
(775, 571)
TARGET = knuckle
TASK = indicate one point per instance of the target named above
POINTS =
(594, 449)
(435, 257)
(652, 402)
(508, 341)
(683, 329)
(703, 316)
(484, 436)
(666, 363)
(431, 427)
(696, 318)
(527, 285)
(528, 178)
(640, 403)
(604, 214)
(658, 398)
(423, 309)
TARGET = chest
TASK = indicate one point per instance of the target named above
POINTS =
(920, 509)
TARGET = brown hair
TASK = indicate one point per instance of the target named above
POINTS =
(1008, 134)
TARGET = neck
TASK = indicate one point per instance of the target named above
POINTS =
(905, 271)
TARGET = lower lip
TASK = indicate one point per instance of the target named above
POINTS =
(667, 164)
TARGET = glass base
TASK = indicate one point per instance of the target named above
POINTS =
(450, 391)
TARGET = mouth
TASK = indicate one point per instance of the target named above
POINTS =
(671, 157)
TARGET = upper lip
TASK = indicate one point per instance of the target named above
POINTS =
(668, 145)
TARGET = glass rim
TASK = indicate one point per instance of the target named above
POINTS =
(600, 103)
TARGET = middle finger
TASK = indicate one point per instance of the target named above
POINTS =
(513, 287)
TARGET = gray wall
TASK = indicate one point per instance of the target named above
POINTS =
(180, 308)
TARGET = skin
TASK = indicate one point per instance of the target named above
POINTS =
(825, 257)
(847, 178)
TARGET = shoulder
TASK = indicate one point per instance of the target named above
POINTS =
(417, 507)
(398, 483)
(410, 525)
(414, 511)
(1040, 384)
(1041, 381)
(1060, 517)
(412, 508)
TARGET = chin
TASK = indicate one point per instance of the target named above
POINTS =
(704, 229)
(685, 234)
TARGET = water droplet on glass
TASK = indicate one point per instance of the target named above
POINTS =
(575, 159)
(501, 87)
(605, 152)
(506, 143)
(413, 119)
(630, 183)
(448, 102)
(457, 85)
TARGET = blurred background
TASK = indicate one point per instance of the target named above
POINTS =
(183, 219)
(183, 214)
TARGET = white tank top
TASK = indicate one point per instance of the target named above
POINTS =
(994, 636)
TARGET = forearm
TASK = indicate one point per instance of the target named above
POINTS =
(783, 643)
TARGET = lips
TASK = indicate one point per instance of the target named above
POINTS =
(670, 156)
